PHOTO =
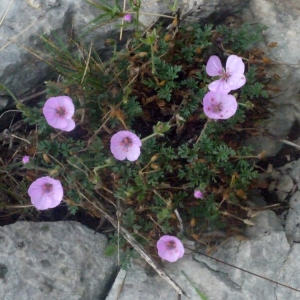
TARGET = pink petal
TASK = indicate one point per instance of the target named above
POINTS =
(42, 203)
(42, 200)
(169, 255)
(115, 141)
(236, 81)
(164, 252)
(127, 18)
(118, 152)
(53, 202)
(63, 101)
(35, 192)
(67, 103)
(198, 194)
(229, 107)
(58, 190)
(52, 102)
(235, 65)
(214, 66)
(136, 140)
(133, 152)
(70, 125)
(49, 112)
(59, 122)
(118, 137)
(25, 159)
(227, 103)
(220, 86)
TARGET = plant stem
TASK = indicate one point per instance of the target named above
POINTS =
(203, 130)
(101, 167)
(148, 137)
(152, 59)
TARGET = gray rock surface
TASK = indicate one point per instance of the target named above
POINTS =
(283, 21)
(53, 261)
(65, 260)
(20, 44)
(23, 72)
(292, 223)
(285, 183)
(293, 169)
(20, 68)
(266, 252)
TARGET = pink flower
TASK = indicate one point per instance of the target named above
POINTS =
(219, 106)
(25, 159)
(198, 194)
(59, 111)
(45, 193)
(231, 79)
(125, 144)
(170, 248)
(127, 18)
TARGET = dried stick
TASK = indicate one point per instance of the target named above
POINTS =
(6, 12)
(290, 144)
(180, 221)
(141, 251)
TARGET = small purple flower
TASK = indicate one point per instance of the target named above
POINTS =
(231, 79)
(25, 159)
(170, 248)
(125, 144)
(59, 111)
(219, 106)
(128, 18)
(198, 194)
(45, 193)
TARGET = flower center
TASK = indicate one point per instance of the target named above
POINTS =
(47, 188)
(126, 143)
(171, 245)
(225, 75)
(217, 108)
(60, 111)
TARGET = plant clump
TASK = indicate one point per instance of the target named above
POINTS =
(154, 140)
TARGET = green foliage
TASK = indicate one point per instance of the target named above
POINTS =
(129, 217)
(223, 152)
(166, 76)
(240, 38)
(203, 36)
(253, 89)
(153, 87)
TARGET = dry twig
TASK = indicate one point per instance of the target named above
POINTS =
(141, 251)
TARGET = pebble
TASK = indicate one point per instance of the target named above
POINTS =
(285, 184)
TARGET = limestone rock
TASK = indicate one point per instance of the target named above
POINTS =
(295, 200)
(285, 184)
(20, 69)
(292, 222)
(281, 195)
(53, 260)
(292, 168)
(20, 44)
(140, 282)
(289, 274)
(283, 21)
(266, 252)
(265, 221)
